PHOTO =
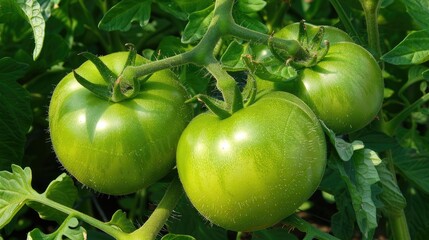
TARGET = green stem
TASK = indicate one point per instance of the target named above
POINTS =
(116, 233)
(370, 8)
(390, 126)
(345, 20)
(291, 46)
(398, 221)
(151, 67)
(158, 218)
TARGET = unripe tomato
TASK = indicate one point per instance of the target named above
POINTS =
(256, 167)
(345, 89)
(117, 148)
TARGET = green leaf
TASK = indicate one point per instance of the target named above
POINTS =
(343, 224)
(414, 167)
(16, 113)
(392, 198)
(198, 24)
(62, 190)
(418, 10)
(249, 6)
(177, 237)
(15, 191)
(344, 149)
(123, 14)
(249, 21)
(69, 228)
(414, 49)
(359, 174)
(231, 59)
(183, 8)
(33, 12)
(120, 220)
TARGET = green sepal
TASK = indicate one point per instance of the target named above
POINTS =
(314, 52)
(107, 74)
(315, 43)
(237, 103)
(131, 60)
(216, 106)
(101, 91)
(302, 33)
(124, 88)
(275, 73)
(249, 92)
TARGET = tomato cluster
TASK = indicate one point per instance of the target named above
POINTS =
(245, 172)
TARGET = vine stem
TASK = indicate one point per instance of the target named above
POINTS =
(222, 24)
(158, 218)
(370, 8)
(398, 222)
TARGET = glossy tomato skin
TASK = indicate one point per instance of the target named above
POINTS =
(117, 148)
(345, 89)
(250, 170)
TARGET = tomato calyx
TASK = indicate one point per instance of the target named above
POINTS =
(315, 49)
(220, 108)
(117, 87)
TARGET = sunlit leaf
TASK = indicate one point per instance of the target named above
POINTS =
(69, 228)
(198, 24)
(62, 190)
(414, 49)
(120, 220)
(33, 11)
(392, 198)
(15, 192)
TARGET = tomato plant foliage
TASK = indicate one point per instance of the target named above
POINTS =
(234, 120)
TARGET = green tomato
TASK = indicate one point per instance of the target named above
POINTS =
(345, 89)
(256, 167)
(118, 148)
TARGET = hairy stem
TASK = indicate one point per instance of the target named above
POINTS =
(158, 218)
(370, 8)
(390, 126)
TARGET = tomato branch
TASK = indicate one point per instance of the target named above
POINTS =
(370, 8)
(158, 218)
